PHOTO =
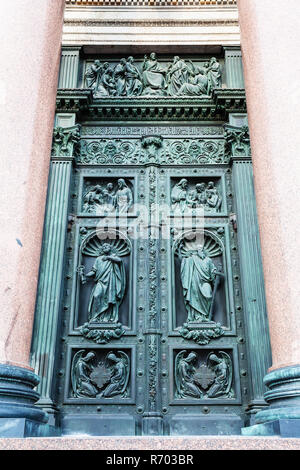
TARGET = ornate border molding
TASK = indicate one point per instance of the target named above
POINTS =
(151, 23)
(153, 3)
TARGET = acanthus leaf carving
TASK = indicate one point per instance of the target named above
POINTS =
(152, 149)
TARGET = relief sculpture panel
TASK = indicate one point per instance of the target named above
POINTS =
(100, 374)
(105, 305)
(152, 77)
(107, 196)
(200, 285)
(203, 375)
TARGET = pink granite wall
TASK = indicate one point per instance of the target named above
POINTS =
(30, 36)
(270, 45)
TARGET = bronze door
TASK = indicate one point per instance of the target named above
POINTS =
(153, 338)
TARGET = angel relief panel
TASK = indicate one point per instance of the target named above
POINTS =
(100, 374)
(203, 374)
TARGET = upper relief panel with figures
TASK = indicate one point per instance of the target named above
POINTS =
(153, 77)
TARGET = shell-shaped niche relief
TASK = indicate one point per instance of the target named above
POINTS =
(104, 277)
(199, 282)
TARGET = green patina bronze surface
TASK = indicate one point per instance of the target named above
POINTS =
(164, 327)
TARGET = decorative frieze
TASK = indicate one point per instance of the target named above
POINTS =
(138, 151)
(152, 77)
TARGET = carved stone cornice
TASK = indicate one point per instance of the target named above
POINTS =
(81, 101)
(72, 100)
(230, 99)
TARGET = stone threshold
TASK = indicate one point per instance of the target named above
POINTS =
(151, 443)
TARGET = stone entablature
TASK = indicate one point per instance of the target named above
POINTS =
(151, 3)
(137, 23)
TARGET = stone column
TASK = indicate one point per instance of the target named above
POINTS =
(270, 48)
(31, 37)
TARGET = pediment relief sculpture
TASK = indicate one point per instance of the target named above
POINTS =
(153, 78)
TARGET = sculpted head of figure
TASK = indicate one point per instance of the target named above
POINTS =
(89, 357)
(176, 59)
(130, 59)
(191, 357)
(106, 248)
(97, 63)
(123, 61)
(200, 187)
(121, 183)
(153, 56)
(183, 183)
(211, 185)
(112, 357)
(105, 65)
(214, 358)
(201, 252)
(110, 187)
(98, 189)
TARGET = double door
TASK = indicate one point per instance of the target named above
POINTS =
(154, 340)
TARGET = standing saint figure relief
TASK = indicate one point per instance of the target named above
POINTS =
(179, 196)
(108, 292)
(123, 198)
(198, 276)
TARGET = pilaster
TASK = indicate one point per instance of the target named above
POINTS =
(234, 67)
(52, 262)
(255, 314)
(69, 67)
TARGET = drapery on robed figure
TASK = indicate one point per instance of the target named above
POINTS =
(134, 84)
(184, 376)
(81, 371)
(153, 76)
(198, 274)
(119, 375)
(177, 75)
(179, 195)
(108, 292)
